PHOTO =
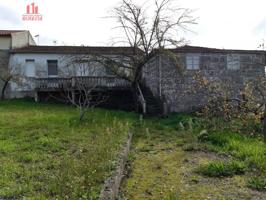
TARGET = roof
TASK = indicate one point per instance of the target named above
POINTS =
(197, 49)
(75, 50)
(122, 50)
(9, 32)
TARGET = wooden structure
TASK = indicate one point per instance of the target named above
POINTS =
(72, 83)
(46, 86)
(97, 83)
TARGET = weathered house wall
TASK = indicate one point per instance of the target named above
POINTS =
(175, 84)
(16, 39)
(5, 43)
(21, 39)
(40, 61)
(4, 60)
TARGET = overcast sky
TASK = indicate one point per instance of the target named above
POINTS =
(237, 24)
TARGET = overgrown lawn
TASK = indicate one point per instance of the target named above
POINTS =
(45, 153)
(187, 157)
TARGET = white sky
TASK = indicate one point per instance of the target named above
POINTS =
(237, 24)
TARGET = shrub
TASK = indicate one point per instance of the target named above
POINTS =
(222, 169)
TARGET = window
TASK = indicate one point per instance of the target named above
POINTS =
(109, 71)
(192, 61)
(233, 62)
(52, 68)
(30, 68)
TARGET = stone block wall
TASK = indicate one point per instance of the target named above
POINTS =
(174, 80)
(151, 75)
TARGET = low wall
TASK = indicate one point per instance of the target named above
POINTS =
(111, 186)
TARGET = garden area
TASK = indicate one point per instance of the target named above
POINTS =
(187, 157)
(47, 153)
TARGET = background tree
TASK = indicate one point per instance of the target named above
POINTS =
(8, 74)
(146, 28)
(254, 101)
(222, 100)
(217, 95)
(81, 91)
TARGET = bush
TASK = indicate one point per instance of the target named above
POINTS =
(222, 169)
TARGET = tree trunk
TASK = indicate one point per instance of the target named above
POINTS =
(4, 90)
(82, 114)
(136, 81)
(135, 96)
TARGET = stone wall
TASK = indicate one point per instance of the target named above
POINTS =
(175, 80)
(151, 75)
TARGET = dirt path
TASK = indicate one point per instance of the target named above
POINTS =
(161, 169)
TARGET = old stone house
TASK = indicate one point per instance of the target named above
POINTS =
(168, 84)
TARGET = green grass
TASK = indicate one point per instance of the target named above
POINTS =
(251, 150)
(46, 154)
(258, 183)
(222, 168)
(168, 153)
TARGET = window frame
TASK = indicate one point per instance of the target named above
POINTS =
(50, 61)
(235, 61)
(193, 61)
(26, 68)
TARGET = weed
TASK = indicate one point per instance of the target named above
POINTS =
(47, 154)
(215, 138)
(172, 196)
(222, 168)
(258, 183)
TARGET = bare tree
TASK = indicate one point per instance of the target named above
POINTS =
(147, 29)
(8, 74)
(145, 33)
(82, 90)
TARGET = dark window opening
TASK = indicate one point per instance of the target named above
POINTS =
(52, 68)
(109, 71)
(29, 60)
